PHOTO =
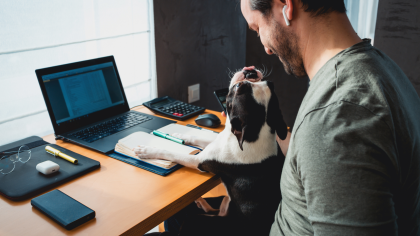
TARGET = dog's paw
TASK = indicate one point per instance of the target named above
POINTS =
(146, 152)
(189, 140)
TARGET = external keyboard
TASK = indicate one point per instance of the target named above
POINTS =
(109, 127)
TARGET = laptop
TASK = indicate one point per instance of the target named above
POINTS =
(87, 104)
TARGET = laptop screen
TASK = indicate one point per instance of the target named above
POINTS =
(74, 94)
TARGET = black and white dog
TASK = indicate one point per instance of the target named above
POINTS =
(245, 155)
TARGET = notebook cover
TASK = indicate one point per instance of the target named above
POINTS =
(25, 181)
(63, 209)
(144, 165)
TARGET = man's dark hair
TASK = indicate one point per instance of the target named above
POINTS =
(316, 7)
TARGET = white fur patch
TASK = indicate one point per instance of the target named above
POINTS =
(261, 93)
(225, 148)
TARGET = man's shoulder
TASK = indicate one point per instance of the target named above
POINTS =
(338, 131)
(342, 119)
(360, 78)
(356, 78)
(350, 103)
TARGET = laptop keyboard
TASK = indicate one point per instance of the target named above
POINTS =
(109, 127)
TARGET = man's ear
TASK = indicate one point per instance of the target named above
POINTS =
(274, 116)
(289, 10)
(238, 129)
(290, 7)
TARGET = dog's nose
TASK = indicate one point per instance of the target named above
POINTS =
(250, 74)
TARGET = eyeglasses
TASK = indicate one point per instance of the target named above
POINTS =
(8, 159)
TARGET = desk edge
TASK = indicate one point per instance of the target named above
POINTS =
(168, 211)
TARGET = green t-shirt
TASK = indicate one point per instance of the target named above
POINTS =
(353, 163)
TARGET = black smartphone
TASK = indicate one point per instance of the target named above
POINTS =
(221, 97)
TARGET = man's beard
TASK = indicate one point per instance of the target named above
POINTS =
(287, 49)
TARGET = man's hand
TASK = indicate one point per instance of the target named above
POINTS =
(202, 204)
(222, 211)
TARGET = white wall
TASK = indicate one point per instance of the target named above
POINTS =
(362, 15)
(42, 33)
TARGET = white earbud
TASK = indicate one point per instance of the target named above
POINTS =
(285, 17)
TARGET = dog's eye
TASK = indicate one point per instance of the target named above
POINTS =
(238, 84)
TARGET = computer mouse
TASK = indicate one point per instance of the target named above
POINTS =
(208, 120)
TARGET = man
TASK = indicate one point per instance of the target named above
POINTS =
(353, 163)
(352, 166)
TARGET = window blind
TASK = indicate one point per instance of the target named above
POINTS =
(44, 33)
(362, 15)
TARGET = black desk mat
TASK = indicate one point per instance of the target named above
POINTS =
(25, 181)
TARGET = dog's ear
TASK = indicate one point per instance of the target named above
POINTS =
(238, 128)
(274, 116)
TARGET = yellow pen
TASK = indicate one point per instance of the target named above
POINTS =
(57, 153)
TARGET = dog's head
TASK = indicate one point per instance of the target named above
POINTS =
(252, 104)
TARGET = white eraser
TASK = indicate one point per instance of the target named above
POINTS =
(47, 167)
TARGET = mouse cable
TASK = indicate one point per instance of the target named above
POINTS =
(61, 138)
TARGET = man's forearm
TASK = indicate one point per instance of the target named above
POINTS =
(284, 144)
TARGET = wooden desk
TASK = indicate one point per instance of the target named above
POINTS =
(127, 200)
